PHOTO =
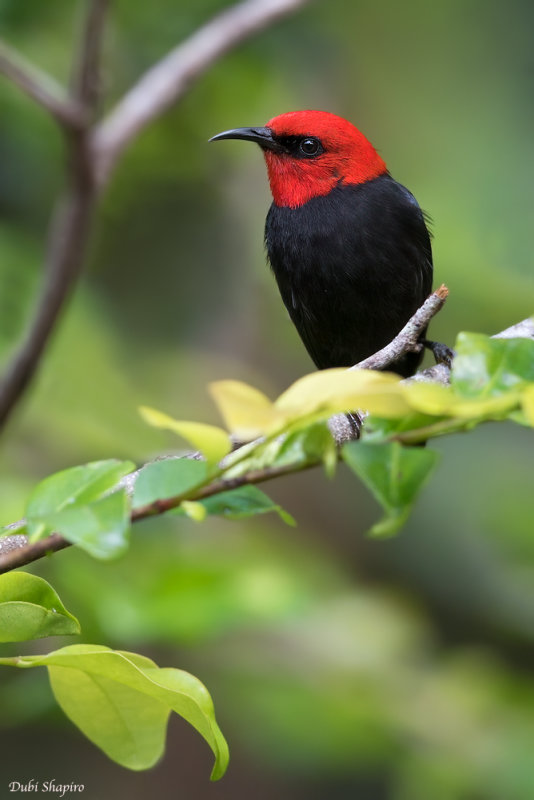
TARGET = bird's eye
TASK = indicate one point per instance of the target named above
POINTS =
(310, 147)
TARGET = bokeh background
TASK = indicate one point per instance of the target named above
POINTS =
(340, 667)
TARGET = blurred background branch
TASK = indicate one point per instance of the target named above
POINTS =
(86, 79)
(41, 87)
(92, 152)
(71, 219)
(167, 81)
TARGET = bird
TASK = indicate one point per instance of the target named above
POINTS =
(349, 246)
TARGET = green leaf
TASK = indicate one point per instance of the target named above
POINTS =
(377, 429)
(168, 478)
(71, 488)
(121, 702)
(246, 501)
(101, 528)
(394, 474)
(306, 445)
(31, 609)
(487, 367)
(214, 443)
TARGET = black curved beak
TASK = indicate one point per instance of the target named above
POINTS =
(262, 136)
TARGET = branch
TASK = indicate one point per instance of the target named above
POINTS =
(66, 246)
(69, 230)
(19, 553)
(86, 73)
(408, 339)
(521, 330)
(16, 551)
(169, 79)
(25, 553)
(93, 156)
(40, 87)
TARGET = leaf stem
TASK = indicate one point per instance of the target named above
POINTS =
(441, 428)
(13, 661)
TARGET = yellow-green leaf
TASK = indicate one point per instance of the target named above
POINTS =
(443, 400)
(213, 442)
(332, 391)
(489, 408)
(247, 412)
(195, 511)
(527, 401)
(429, 398)
(121, 702)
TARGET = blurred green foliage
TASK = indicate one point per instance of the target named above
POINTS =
(339, 666)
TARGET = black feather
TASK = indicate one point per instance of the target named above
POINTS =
(352, 267)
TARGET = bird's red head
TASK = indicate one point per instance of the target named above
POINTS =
(308, 153)
(343, 156)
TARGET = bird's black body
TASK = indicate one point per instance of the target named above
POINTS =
(352, 267)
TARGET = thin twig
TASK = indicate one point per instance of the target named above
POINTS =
(31, 552)
(345, 429)
(41, 87)
(221, 485)
(170, 78)
(408, 338)
(20, 556)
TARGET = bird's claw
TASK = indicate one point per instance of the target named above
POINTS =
(442, 353)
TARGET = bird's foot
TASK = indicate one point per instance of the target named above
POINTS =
(355, 422)
(442, 353)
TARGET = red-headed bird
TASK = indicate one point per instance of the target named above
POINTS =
(348, 245)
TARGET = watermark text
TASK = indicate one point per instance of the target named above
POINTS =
(53, 786)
